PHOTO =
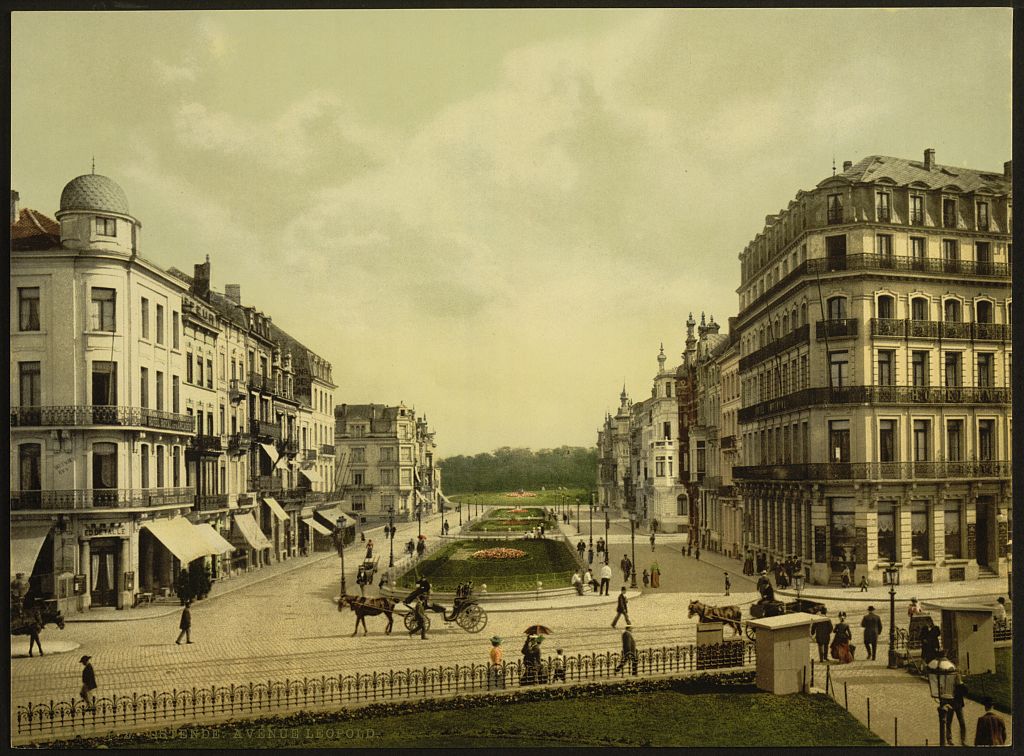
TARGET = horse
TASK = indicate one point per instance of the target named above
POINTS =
(32, 621)
(364, 607)
(730, 615)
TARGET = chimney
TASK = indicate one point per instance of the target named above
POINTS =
(201, 279)
(233, 292)
(14, 206)
(929, 159)
(847, 165)
(1007, 171)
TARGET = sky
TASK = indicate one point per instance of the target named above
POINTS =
(494, 216)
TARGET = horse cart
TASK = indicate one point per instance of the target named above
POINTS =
(773, 608)
(466, 612)
(366, 571)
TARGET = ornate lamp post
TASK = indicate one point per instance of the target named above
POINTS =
(339, 544)
(606, 523)
(632, 546)
(941, 675)
(419, 520)
(591, 519)
(798, 583)
(391, 535)
(892, 579)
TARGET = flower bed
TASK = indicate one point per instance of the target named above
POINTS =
(498, 553)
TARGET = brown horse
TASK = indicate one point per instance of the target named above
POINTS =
(730, 615)
(31, 622)
(368, 607)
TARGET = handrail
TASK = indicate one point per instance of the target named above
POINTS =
(101, 498)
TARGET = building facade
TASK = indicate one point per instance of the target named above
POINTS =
(613, 458)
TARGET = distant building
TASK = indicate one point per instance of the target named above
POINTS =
(613, 457)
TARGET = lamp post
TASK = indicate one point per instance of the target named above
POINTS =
(577, 514)
(798, 583)
(591, 519)
(941, 675)
(606, 523)
(441, 502)
(339, 544)
(632, 547)
(391, 535)
(419, 520)
(892, 579)
(460, 515)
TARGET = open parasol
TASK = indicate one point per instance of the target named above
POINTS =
(538, 630)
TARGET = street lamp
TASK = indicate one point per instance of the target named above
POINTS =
(941, 676)
(391, 535)
(460, 514)
(591, 519)
(339, 544)
(891, 576)
(577, 514)
(798, 583)
(419, 520)
(606, 534)
(632, 546)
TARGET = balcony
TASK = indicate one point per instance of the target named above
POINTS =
(888, 327)
(291, 447)
(203, 445)
(922, 329)
(834, 216)
(836, 328)
(899, 263)
(264, 483)
(991, 332)
(311, 454)
(261, 429)
(244, 500)
(327, 450)
(728, 442)
(209, 502)
(794, 338)
(874, 471)
(106, 415)
(101, 498)
(260, 382)
(236, 392)
(948, 330)
(239, 443)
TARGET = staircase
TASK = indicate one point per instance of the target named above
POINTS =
(986, 572)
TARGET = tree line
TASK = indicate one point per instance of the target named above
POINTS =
(508, 469)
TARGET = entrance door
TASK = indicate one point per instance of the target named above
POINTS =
(105, 558)
(983, 530)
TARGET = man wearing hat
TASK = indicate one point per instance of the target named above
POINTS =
(764, 587)
(496, 676)
(88, 691)
(728, 584)
(872, 625)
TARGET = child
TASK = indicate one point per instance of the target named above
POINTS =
(558, 664)
(863, 583)
(647, 578)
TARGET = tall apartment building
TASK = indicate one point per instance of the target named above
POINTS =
(385, 458)
(613, 457)
(874, 335)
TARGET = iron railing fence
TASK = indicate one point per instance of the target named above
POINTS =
(873, 471)
(209, 703)
(71, 415)
(109, 498)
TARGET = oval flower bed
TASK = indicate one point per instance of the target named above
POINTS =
(498, 553)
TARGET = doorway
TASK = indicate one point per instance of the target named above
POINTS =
(984, 539)
(104, 567)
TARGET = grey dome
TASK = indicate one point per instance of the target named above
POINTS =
(94, 192)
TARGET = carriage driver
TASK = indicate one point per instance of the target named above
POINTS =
(422, 589)
(764, 587)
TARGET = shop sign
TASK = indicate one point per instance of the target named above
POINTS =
(93, 529)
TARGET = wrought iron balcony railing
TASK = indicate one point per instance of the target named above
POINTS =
(207, 502)
(728, 442)
(100, 414)
(311, 454)
(101, 498)
(327, 449)
(206, 444)
(874, 471)
(235, 390)
(264, 483)
(239, 443)
(263, 429)
(948, 330)
(291, 447)
(794, 338)
(835, 328)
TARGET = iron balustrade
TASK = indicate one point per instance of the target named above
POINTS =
(922, 329)
(265, 430)
(949, 330)
(244, 500)
(101, 498)
(210, 704)
(888, 327)
(835, 328)
(991, 331)
(239, 443)
(291, 447)
(207, 444)
(264, 483)
(873, 471)
(235, 390)
(311, 454)
(796, 337)
(206, 502)
(327, 449)
(728, 442)
(101, 414)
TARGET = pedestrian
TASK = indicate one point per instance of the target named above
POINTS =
(532, 671)
(930, 643)
(577, 583)
(542, 530)
(581, 547)
(846, 576)
(558, 665)
(606, 578)
(682, 550)
(421, 548)
(863, 583)
(628, 650)
(913, 608)
(446, 527)
(872, 625)
(999, 612)
(688, 546)
(840, 649)
(185, 624)
(991, 729)
(957, 709)
(647, 578)
(495, 669)
(655, 576)
(822, 632)
(622, 608)
(410, 547)
(696, 552)
(590, 555)
(369, 549)
(652, 541)
(627, 567)
(385, 578)
(728, 584)
(88, 692)
(420, 615)
(588, 578)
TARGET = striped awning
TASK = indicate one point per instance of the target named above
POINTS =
(276, 508)
(271, 451)
(312, 475)
(214, 540)
(329, 517)
(247, 526)
(181, 538)
(26, 541)
(317, 526)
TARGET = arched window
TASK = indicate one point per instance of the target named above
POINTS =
(919, 308)
(785, 323)
(28, 462)
(983, 311)
(886, 306)
(952, 311)
(836, 308)
(803, 313)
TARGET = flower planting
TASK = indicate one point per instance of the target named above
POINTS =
(498, 553)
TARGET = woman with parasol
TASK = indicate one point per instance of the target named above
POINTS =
(533, 672)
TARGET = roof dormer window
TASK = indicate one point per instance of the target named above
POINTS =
(106, 226)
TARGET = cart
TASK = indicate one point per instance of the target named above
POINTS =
(762, 609)
(467, 614)
(366, 571)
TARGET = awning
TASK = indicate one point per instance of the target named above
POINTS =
(276, 508)
(271, 451)
(330, 517)
(181, 538)
(420, 496)
(316, 526)
(246, 524)
(446, 500)
(312, 475)
(214, 540)
(26, 541)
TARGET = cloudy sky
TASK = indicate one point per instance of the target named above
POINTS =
(493, 216)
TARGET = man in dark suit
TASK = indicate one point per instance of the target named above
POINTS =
(822, 632)
(185, 625)
(88, 683)
(622, 608)
(872, 625)
(991, 728)
(628, 650)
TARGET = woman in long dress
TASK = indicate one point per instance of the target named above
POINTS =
(841, 641)
(655, 576)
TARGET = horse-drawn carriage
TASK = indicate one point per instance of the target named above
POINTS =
(733, 617)
(466, 612)
(366, 571)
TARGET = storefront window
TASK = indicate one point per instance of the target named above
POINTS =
(844, 540)
(919, 532)
(886, 532)
(952, 525)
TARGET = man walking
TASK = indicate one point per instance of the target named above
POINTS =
(420, 612)
(88, 691)
(872, 625)
(628, 650)
(185, 625)
(728, 584)
(606, 579)
(652, 541)
(626, 566)
(622, 609)
(991, 730)
(822, 633)
(581, 547)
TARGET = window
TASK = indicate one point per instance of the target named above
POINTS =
(886, 307)
(985, 376)
(209, 373)
(188, 368)
(659, 468)
(406, 478)
(29, 467)
(922, 444)
(839, 363)
(916, 209)
(144, 387)
(406, 454)
(983, 311)
(986, 440)
(358, 504)
(175, 466)
(835, 208)
(919, 308)
(159, 389)
(954, 440)
(883, 245)
(917, 251)
(159, 324)
(175, 325)
(919, 368)
(950, 250)
(106, 227)
(209, 424)
(357, 479)
(103, 312)
(886, 440)
(836, 308)
(983, 216)
(28, 308)
(882, 212)
(835, 246)
(160, 467)
(199, 370)
(949, 213)
(387, 454)
(144, 466)
(701, 458)
(951, 523)
(221, 417)
(983, 254)
(839, 441)
(104, 383)
(952, 311)
(919, 545)
(145, 318)
(954, 374)
(104, 466)
(30, 384)
(359, 455)
(175, 394)
(666, 430)
(886, 362)
(886, 531)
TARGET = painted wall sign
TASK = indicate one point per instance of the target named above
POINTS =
(92, 529)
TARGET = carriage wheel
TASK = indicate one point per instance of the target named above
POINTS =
(410, 621)
(751, 632)
(472, 619)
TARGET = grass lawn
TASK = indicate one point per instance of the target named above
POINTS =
(999, 685)
(744, 718)
(509, 520)
(546, 559)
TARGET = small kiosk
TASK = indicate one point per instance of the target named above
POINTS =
(783, 651)
(966, 628)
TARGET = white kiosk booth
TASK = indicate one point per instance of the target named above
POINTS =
(783, 652)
